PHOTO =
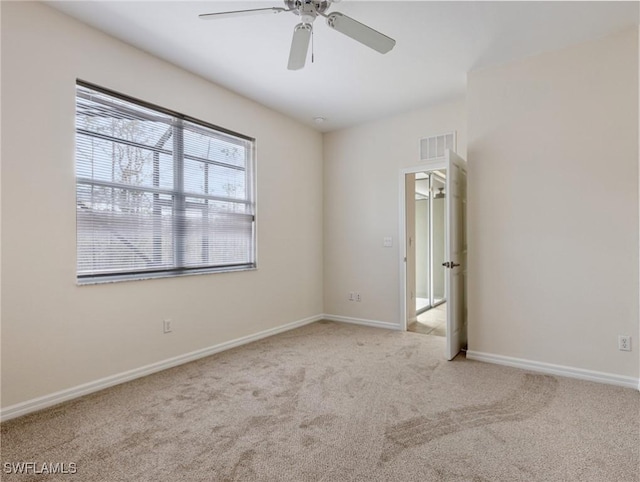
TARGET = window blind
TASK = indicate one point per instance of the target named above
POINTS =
(158, 193)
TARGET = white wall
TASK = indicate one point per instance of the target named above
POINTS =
(361, 206)
(553, 206)
(56, 335)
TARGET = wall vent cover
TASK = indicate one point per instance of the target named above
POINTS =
(433, 147)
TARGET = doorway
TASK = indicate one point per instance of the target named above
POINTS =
(420, 277)
(429, 239)
(430, 216)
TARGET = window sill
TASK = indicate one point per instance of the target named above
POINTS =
(98, 280)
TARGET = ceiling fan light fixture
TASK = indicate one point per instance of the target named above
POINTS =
(299, 7)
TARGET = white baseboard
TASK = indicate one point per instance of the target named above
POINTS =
(45, 401)
(549, 368)
(361, 321)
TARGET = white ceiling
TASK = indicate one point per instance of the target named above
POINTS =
(437, 44)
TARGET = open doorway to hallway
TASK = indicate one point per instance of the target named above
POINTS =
(451, 168)
(429, 213)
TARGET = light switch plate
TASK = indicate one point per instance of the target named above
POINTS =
(387, 241)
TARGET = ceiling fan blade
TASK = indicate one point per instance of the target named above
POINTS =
(299, 46)
(241, 13)
(360, 32)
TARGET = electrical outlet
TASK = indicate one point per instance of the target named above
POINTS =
(358, 297)
(624, 342)
(167, 326)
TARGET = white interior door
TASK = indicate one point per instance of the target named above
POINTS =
(455, 252)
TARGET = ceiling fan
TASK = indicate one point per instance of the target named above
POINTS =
(308, 10)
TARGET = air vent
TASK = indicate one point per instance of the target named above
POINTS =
(433, 147)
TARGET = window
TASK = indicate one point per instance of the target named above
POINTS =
(158, 193)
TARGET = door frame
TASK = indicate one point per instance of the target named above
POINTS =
(434, 165)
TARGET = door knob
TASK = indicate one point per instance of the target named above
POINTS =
(450, 264)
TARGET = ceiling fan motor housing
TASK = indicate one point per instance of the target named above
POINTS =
(306, 7)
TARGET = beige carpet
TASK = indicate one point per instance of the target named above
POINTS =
(333, 402)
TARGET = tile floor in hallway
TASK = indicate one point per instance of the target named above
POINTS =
(431, 322)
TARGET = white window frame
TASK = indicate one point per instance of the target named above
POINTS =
(179, 195)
